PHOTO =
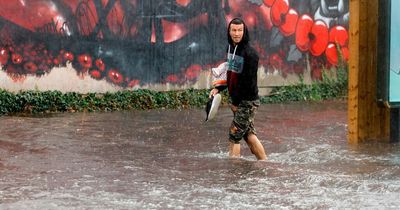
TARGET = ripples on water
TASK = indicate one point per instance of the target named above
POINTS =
(166, 159)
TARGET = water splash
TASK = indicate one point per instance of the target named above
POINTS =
(168, 159)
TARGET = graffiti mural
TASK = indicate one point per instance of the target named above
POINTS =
(138, 42)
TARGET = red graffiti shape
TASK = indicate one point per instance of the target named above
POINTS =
(133, 83)
(339, 35)
(115, 76)
(321, 34)
(172, 78)
(288, 27)
(30, 67)
(16, 58)
(68, 56)
(331, 53)
(95, 74)
(338, 38)
(4, 55)
(278, 11)
(175, 31)
(193, 72)
(311, 35)
(303, 29)
(100, 64)
(85, 61)
(183, 3)
(269, 2)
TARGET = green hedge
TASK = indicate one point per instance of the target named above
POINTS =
(55, 101)
(329, 88)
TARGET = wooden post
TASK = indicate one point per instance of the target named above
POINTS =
(366, 120)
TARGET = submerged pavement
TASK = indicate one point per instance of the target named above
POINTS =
(171, 159)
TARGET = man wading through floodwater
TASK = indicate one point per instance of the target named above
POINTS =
(243, 90)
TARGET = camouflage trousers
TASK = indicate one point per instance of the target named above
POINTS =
(243, 121)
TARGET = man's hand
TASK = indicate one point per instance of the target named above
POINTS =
(234, 108)
(213, 92)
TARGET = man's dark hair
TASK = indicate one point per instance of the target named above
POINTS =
(238, 21)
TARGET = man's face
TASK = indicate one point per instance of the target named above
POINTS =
(236, 32)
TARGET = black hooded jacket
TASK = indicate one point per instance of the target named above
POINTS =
(242, 72)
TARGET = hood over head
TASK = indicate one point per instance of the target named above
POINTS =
(246, 37)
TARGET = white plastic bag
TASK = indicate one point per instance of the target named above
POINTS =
(218, 75)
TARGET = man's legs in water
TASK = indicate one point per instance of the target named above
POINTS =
(243, 126)
(234, 150)
(255, 146)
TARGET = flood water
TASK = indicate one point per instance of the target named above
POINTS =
(171, 159)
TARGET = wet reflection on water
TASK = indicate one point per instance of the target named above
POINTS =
(171, 159)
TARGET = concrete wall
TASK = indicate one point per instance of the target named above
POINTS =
(109, 45)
